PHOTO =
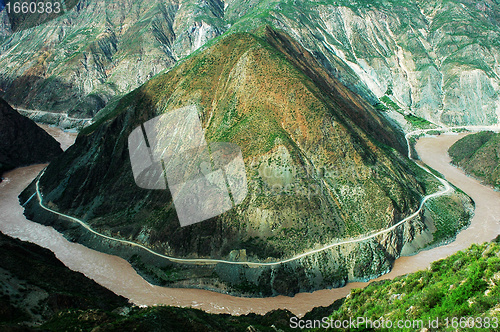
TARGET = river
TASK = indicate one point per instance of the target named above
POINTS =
(117, 275)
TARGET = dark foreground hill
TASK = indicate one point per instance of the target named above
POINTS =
(321, 164)
(466, 284)
(478, 155)
(36, 288)
(22, 142)
(35, 285)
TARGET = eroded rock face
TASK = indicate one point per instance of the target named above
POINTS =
(438, 60)
(78, 62)
(425, 55)
(22, 142)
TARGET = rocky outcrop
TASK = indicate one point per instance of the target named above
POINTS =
(437, 60)
(22, 142)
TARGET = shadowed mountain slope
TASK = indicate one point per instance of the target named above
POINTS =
(34, 285)
(22, 142)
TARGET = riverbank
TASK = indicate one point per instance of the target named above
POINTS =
(117, 275)
(324, 266)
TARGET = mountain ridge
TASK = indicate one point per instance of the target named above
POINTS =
(437, 60)
(313, 173)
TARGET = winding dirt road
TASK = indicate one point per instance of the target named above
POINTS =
(447, 188)
(117, 274)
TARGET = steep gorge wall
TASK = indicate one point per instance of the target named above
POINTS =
(438, 60)
(78, 62)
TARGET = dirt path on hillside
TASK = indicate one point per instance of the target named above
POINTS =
(117, 274)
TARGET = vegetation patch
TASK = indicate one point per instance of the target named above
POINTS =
(478, 155)
(466, 284)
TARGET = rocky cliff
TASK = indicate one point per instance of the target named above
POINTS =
(76, 63)
(321, 164)
(22, 142)
(435, 59)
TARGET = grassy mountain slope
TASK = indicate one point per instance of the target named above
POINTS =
(478, 155)
(249, 94)
(321, 164)
(466, 284)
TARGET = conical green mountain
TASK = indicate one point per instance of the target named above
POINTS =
(321, 163)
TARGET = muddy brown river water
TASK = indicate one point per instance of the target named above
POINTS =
(117, 275)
